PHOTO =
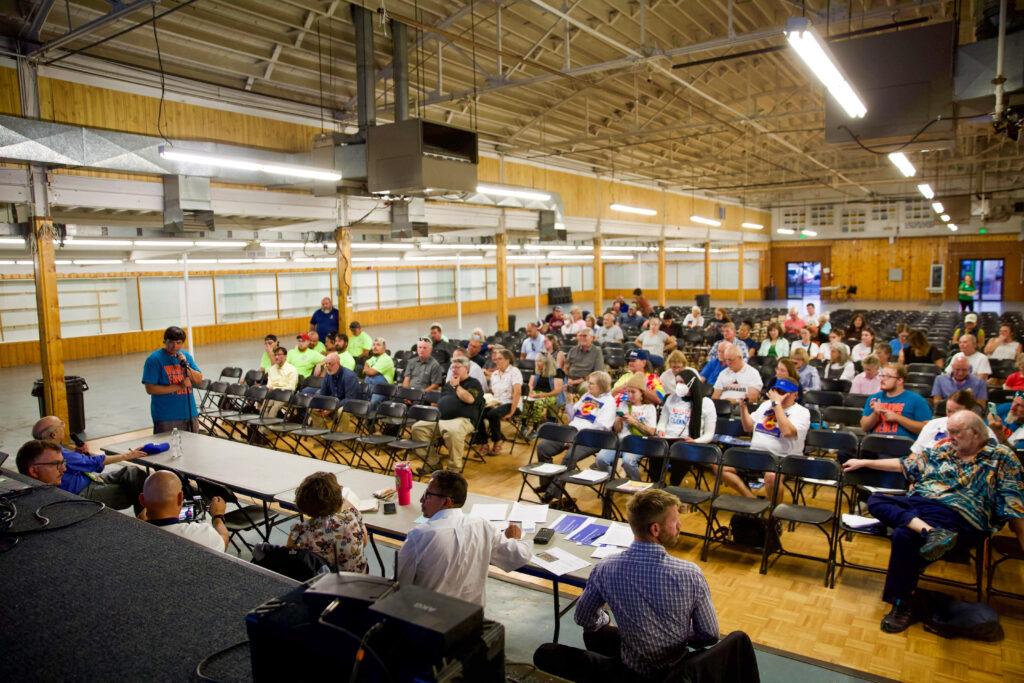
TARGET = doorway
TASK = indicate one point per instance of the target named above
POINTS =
(987, 275)
(803, 279)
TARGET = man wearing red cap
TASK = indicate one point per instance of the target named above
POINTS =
(303, 358)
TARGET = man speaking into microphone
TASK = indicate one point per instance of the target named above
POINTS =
(168, 375)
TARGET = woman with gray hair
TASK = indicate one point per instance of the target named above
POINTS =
(545, 390)
(839, 366)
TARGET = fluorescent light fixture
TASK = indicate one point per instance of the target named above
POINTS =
(157, 261)
(706, 221)
(161, 244)
(22, 263)
(752, 226)
(215, 160)
(900, 161)
(236, 260)
(455, 247)
(410, 257)
(616, 247)
(510, 192)
(97, 262)
(377, 259)
(194, 261)
(945, 218)
(786, 231)
(952, 226)
(12, 241)
(818, 58)
(926, 190)
(381, 245)
(76, 242)
(551, 247)
(217, 244)
(640, 211)
(809, 233)
(283, 245)
(937, 207)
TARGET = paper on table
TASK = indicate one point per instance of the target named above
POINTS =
(859, 522)
(588, 533)
(529, 513)
(618, 534)
(590, 475)
(502, 524)
(357, 503)
(549, 468)
(490, 511)
(606, 551)
(558, 561)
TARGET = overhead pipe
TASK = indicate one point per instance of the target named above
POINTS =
(366, 84)
(400, 62)
(1000, 79)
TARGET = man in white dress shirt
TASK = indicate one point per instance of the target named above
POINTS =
(452, 551)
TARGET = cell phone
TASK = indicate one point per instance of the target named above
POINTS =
(188, 512)
(543, 535)
(992, 409)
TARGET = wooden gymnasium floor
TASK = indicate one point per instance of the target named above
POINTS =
(789, 609)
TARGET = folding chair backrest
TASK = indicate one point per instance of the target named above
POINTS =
(329, 403)
(555, 432)
(300, 402)
(282, 395)
(855, 400)
(423, 414)
(430, 397)
(695, 453)
(385, 390)
(407, 394)
(842, 415)
(825, 439)
(391, 412)
(203, 385)
(3, 457)
(311, 382)
(875, 478)
(214, 391)
(823, 399)
(231, 373)
(253, 377)
(641, 445)
(885, 446)
(749, 459)
(209, 489)
(595, 438)
(733, 428)
(356, 407)
(235, 394)
(803, 467)
(841, 385)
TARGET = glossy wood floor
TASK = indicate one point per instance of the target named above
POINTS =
(790, 609)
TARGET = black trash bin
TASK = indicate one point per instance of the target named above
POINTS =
(76, 388)
(704, 301)
(771, 293)
(511, 323)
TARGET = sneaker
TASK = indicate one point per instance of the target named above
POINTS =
(425, 470)
(899, 618)
(937, 543)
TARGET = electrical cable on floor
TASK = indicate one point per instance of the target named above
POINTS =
(9, 538)
(206, 660)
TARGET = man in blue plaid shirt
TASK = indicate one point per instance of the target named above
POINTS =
(661, 605)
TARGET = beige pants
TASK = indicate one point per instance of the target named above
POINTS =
(453, 432)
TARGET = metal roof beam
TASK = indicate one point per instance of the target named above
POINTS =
(91, 27)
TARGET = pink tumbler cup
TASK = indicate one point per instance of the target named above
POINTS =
(403, 482)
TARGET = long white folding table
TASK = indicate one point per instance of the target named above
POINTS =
(260, 473)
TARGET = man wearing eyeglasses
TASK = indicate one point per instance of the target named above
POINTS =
(82, 473)
(452, 551)
(893, 410)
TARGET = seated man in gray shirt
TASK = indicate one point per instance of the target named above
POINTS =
(423, 372)
(582, 359)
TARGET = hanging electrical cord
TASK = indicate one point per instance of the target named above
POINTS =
(897, 148)
(474, 113)
(320, 70)
(163, 84)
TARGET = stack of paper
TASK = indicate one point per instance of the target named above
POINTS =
(548, 468)
(558, 561)
(490, 511)
(591, 475)
(635, 486)
(566, 524)
(587, 534)
(618, 534)
(859, 522)
(524, 512)
(361, 505)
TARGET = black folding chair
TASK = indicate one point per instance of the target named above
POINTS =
(251, 409)
(254, 377)
(840, 385)
(214, 392)
(231, 403)
(746, 461)
(587, 439)
(855, 400)
(823, 399)
(388, 421)
(296, 418)
(325, 407)
(702, 458)
(924, 369)
(407, 394)
(253, 517)
(549, 431)
(406, 443)
(648, 448)
(841, 415)
(356, 410)
(265, 419)
(231, 374)
(798, 468)
(875, 446)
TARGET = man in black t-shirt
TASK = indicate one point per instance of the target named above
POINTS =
(462, 399)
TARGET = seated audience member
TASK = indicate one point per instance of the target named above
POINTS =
(816, 334)
(475, 371)
(532, 344)
(806, 343)
(1011, 413)
(331, 343)
(715, 364)
(661, 605)
(591, 321)
(269, 344)
(554, 321)
(900, 341)
(694, 318)
(728, 331)
(339, 381)
(609, 331)
(283, 375)
(582, 360)
(960, 377)
(378, 368)
(785, 368)
(714, 327)
(920, 350)
(884, 353)
(315, 343)
(594, 410)
(1015, 382)
(970, 326)
(575, 323)
(865, 347)
(462, 399)
(631, 318)
(332, 527)
(638, 364)
(825, 323)
(359, 342)
(452, 551)
(477, 351)
(50, 463)
(162, 498)
(688, 415)
(936, 433)
(737, 381)
(793, 322)
(423, 372)
(553, 346)
(867, 381)
(811, 314)
(839, 365)
(856, 326)
(835, 338)
(303, 358)
(774, 345)
(506, 384)
(341, 348)
(545, 390)
(437, 336)
(654, 341)
(668, 324)
(743, 335)
(978, 360)
(619, 305)
(961, 492)
(674, 365)
(84, 475)
(633, 415)
(810, 380)
(1003, 347)
(893, 409)
(779, 426)
(643, 306)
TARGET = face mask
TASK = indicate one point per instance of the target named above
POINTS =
(682, 390)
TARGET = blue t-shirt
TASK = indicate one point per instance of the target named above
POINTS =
(896, 347)
(908, 404)
(163, 369)
(711, 370)
(325, 322)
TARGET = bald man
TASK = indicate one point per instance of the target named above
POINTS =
(162, 498)
(84, 474)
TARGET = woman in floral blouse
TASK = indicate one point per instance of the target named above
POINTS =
(333, 528)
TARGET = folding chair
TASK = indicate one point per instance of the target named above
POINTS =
(231, 374)
(389, 416)
(258, 518)
(1003, 549)
(598, 439)
(430, 398)
(703, 458)
(745, 461)
(823, 399)
(841, 415)
(825, 443)
(549, 431)
(802, 468)
(296, 418)
(334, 439)
(214, 392)
(317, 406)
(231, 404)
(647, 448)
(407, 394)
(254, 377)
(265, 419)
(855, 400)
(251, 409)
(875, 446)
(405, 443)
(840, 385)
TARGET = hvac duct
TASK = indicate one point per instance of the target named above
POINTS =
(188, 206)
(400, 67)
(366, 86)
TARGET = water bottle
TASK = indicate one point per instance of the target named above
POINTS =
(175, 444)
(403, 482)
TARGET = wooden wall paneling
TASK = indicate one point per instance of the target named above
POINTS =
(10, 93)
(1006, 247)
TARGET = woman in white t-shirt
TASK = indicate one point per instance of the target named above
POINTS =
(805, 343)
(632, 417)
(839, 366)
(682, 419)
(866, 346)
(506, 384)
(1003, 347)
(694, 318)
